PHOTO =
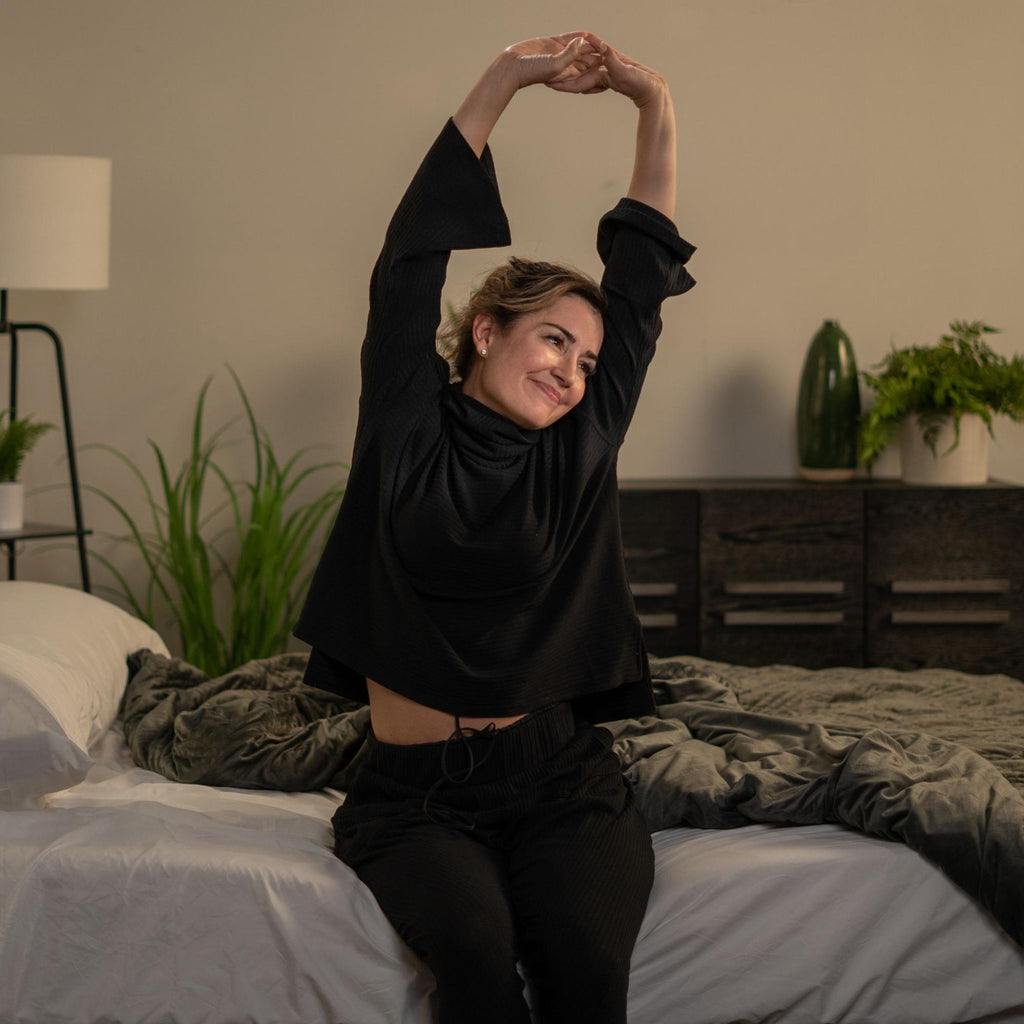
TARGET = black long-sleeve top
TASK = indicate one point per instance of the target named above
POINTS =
(476, 566)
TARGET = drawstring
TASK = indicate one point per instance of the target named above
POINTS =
(463, 735)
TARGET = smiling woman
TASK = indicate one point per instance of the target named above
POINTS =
(473, 590)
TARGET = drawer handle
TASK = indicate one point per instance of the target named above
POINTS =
(993, 586)
(666, 620)
(950, 618)
(634, 554)
(786, 587)
(654, 589)
(783, 618)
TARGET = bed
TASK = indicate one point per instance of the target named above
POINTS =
(126, 896)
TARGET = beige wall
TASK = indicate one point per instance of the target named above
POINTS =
(851, 159)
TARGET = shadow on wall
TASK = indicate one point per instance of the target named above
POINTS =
(748, 427)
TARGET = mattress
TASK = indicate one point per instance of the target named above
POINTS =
(138, 899)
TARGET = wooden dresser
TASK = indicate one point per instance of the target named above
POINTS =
(759, 572)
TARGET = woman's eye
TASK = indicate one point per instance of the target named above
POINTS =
(556, 339)
(589, 369)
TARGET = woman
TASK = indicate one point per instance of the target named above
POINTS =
(473, 587)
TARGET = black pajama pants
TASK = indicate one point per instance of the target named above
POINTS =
(522, 844)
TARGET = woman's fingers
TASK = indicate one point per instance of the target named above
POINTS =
(543, 59)
(591, 81)
(581, 62)
(568, 37)
(630, 77)
(586, 44)
(579, 67)
(570, 63)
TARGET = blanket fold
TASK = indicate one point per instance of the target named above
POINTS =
(704, 761)
(257, 727)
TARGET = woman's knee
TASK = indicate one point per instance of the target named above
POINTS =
(588, 985)
(472, 955)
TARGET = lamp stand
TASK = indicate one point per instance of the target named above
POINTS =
(13, 329)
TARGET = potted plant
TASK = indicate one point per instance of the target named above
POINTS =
(17, 439)
(940, 399)
(231, 567)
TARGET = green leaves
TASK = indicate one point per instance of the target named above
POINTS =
(16, 441)
(235, 592)
(960, 374)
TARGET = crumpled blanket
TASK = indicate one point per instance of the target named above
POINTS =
(257, 727)
(704, 761)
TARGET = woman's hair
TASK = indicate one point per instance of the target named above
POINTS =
(507, 293)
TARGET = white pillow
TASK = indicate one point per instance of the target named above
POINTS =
(62, 674)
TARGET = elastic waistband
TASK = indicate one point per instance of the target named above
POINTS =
(490, 755)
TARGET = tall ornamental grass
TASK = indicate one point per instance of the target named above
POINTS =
(234, 591)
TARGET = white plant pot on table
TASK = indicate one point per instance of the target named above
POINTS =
(966, 464)
(12, 505)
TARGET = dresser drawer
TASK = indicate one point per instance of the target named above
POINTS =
(659, 535)
(945, 569)
(782, 577)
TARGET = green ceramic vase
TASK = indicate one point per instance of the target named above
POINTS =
(828, 407)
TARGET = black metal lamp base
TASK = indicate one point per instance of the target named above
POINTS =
(79, 530)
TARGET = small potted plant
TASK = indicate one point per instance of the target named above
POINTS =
(940, 399)
(17, 438)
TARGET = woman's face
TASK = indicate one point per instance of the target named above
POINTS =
(536, 370)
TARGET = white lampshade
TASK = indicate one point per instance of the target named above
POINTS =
(54, 222)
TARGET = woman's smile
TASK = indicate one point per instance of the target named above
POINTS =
(548, 391)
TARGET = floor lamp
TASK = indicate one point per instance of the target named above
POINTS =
(54, 235)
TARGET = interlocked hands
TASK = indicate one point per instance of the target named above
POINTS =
(580, 62)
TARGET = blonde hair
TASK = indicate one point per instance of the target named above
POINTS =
(507, 293)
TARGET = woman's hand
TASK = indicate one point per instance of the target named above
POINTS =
(551, 60)
(578, 62)
(548, 59)
(613, 71)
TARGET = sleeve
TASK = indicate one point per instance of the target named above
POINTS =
(451, 203)
(644, 261)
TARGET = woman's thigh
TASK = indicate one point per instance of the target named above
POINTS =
(431, 881)
(445, 895)
(580, 873)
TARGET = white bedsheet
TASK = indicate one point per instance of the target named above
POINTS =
(134, 899)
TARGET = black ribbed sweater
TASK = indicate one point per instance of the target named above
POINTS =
(475, 566)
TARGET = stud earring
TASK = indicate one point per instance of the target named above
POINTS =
(483, 352)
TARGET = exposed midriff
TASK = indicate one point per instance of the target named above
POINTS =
(398, 719)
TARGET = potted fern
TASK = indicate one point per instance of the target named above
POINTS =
(17, 439)
(940, 400)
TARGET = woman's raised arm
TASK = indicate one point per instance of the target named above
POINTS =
(548, 60)
(654, 164)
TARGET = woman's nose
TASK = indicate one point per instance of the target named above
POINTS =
(565, 370)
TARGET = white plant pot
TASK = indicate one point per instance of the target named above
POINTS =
(12, 505)
(965, 465)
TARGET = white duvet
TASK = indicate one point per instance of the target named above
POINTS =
(136, 900)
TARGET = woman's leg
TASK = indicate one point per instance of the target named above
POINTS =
(445, 895)
(581, 870)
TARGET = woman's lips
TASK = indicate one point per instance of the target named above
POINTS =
(550, 393)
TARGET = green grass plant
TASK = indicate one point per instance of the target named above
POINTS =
(234, 591)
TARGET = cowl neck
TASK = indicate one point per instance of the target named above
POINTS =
(484, 433)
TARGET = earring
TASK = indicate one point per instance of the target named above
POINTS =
(483, 352)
